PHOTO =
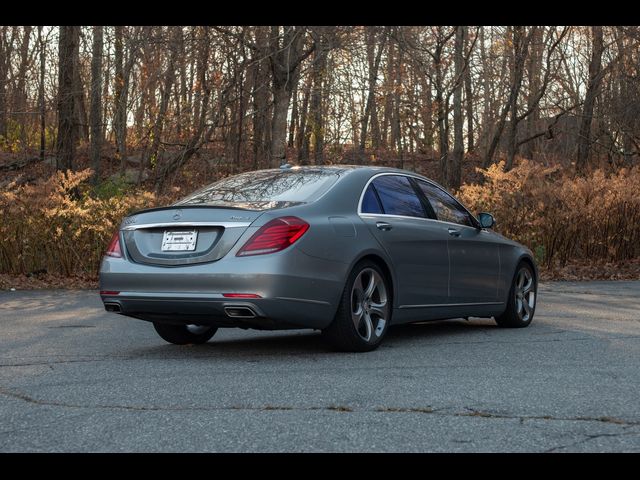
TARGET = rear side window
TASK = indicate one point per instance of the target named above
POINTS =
(446, 207)
(398, 196)
(370, 202)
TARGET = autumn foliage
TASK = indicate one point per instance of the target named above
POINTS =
(61, 225)
(562, 217)
(54, 225)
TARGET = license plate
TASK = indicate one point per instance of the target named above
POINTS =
(183, 240)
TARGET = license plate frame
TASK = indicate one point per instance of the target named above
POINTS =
(179, 240)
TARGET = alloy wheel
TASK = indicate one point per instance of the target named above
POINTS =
(369, 305)
(525, 294)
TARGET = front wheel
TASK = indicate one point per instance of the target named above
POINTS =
(184, 334)
(522, 299)
(364, 312)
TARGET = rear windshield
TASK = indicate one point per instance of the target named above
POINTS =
(265, 189)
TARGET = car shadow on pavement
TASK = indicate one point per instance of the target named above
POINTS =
(434, 330)
(308, 342)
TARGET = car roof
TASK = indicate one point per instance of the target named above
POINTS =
(339, 169)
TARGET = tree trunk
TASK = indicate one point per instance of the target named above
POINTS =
(317, 126)
(454, 168)
(95, 117)
(387, 114)
(535, 70)
(521, 42)
(374, 65)
(20, 96)
(520, 47)
(593, 88)
(67, 116)
(426, 113)
(468, 93)
(79, 98)
(281, 97)
(41, 95)
(6, 50)
(260, 97)
(443, 131)
(295, 114)
(165, 96)
(285, 54)
(303, 138)
(396, 133)
(119, 115)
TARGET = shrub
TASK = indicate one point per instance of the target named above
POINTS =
(560, 217)
(57, 226)
(62, 224)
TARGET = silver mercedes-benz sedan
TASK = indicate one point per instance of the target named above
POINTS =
(342, 249)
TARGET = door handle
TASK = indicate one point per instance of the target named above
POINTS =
(454, 232)
(384, 226)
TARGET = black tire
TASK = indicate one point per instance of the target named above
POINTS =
(184, 334)
(342, 334)
(517, 315)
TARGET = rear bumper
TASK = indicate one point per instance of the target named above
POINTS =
(297, 291)
(260, 313)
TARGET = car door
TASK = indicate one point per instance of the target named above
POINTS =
(406, 228)
(473, 256)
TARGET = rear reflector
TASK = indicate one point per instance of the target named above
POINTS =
(113, 250)
(109, 292)
(274, 236)
(241, 295)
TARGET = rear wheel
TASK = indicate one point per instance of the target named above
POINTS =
(364, 312)
(184, 334)
(522, 299)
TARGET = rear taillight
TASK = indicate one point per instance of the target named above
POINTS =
(113, 250)
(274, 236)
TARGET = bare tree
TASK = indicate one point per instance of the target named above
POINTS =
(67, 116)
(41, 104)
(454, 167)
(520, 40)
(7, 39)
(286, 53)
(593, 87)
(95, 115)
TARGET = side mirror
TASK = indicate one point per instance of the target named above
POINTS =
(486, 220)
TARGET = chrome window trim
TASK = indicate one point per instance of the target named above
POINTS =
(187, 224)
(360, 212)
(417, 177)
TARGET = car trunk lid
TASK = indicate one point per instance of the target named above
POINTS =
(183, 235)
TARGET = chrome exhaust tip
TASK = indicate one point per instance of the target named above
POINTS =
(112, 307)
(239, 312)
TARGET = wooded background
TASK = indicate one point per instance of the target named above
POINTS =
(149, 98)
(538, 125)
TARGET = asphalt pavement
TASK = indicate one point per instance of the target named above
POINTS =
(74, 378)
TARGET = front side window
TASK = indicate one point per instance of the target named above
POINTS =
(446, 207)
(398, 196)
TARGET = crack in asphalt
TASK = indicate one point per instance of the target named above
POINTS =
(588, 438)
(470, 412)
